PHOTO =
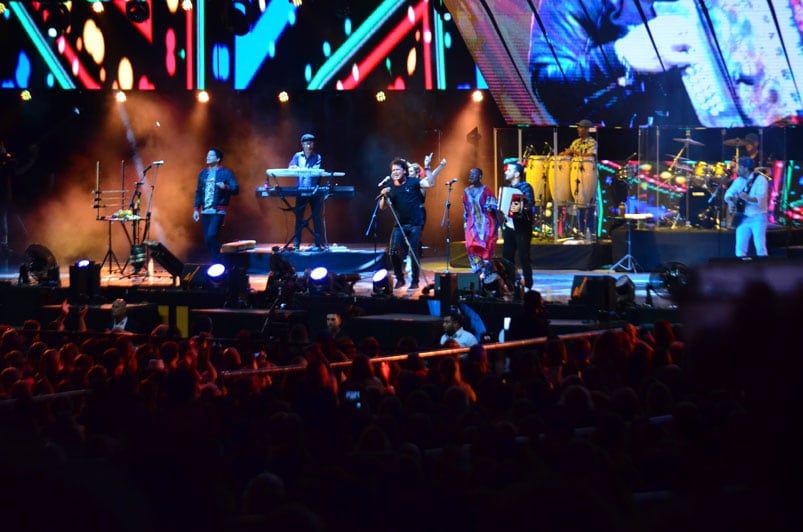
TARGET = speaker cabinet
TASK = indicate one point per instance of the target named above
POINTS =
(165, 258)
(596, 291)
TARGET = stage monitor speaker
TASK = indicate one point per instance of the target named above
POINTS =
(85, 282)
(446, 286)
(193, 276)
(164, 258)
(466, 282)
(596, 291)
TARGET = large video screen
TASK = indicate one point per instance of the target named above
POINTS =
(235, 44)
(687, 63)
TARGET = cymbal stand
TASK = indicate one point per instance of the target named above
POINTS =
(671, 167)
(628, 262)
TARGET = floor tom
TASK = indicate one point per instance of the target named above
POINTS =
(583, 179)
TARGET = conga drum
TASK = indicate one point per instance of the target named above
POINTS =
(583, 179)
(558, 171)
(536, 175)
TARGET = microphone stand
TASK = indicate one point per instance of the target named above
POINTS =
(448, 221)
(410, 249)
(375, 225)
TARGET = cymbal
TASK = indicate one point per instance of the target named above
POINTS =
(735, 142)
(689, 141)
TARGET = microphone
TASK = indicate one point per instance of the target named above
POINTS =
(387, 178)
(451, 182)
(157, 163)
(145, 171)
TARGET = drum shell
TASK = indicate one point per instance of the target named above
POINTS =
(559, 172)
(583, 179)
(536, 175)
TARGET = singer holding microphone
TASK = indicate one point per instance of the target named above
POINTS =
(405, 195)
(216, 186)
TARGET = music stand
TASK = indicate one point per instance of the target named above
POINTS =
(628, 263)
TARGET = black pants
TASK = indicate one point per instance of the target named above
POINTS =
(517, 244)
(315, 203)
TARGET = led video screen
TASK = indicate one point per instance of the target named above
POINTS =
(234, 44)
(688, 63)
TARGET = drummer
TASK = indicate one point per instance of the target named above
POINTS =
(584, 145)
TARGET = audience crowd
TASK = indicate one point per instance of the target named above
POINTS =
(632, 429)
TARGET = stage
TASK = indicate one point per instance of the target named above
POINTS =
(651, 247)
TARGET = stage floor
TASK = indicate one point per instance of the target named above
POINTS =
(555, 285)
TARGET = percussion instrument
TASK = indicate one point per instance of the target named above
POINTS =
(689, 141)
(558, 172)
(583, 179)
(536, 176)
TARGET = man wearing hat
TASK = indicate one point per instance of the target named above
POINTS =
(584, 145)
(751, 144)
(308, 158)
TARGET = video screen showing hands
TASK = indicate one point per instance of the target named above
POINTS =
(711, 63)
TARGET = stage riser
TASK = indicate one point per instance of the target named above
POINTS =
(548, 256)
(336, 261)
(692, 247)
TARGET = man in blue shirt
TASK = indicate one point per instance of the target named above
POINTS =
(216, 185)
(308, 158)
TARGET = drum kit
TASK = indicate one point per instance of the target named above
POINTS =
(703, 185)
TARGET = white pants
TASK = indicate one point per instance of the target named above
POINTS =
(754, 226)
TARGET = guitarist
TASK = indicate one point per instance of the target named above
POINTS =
(747, 198)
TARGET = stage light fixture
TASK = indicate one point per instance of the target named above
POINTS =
(97, 6)
(56, 17)
(83, 263)
(216, 273)
(137, 11)
(203, 96)
(319, 280)
(381, 97)
(477, 96)
(120, 97)
(284, 97)
(381, 283)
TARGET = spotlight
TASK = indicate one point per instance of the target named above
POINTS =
(381, 283)
(216, 273)
(97, 7)
(284, 97)
(381, 97)
(83, 263)
(203, 96)
(477, 96)
(120, 97)
(137, 11)
(56, 17)
(319, 281)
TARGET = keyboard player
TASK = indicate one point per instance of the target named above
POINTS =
(308, 158)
